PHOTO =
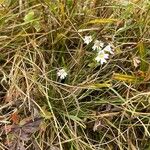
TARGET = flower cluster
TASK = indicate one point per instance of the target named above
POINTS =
(102, 51)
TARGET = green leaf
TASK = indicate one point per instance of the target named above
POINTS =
(8, 3)
(97, 85)
(77, 120)
(100, 21)
(69, 3)
(126, 78)
(143, 53)
(92, 65)
(46, 113)
(36, 25)
(29, 17)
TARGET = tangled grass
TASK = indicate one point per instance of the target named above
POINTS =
(96, 106)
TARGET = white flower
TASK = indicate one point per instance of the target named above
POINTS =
(136, 61)
(108, 49)
(62, 73)
(98, 45)
(101, 57)
(87, 39)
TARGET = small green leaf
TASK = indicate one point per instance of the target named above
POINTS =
(69, 3)
(46, 113)
(29, 17)
(77, 120)
(92, 65)
(8, 2)
(36, 25)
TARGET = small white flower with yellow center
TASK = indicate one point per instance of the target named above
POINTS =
(98, 45)
(109, 49)
(62, 74)
(87, 39)
(101, 57)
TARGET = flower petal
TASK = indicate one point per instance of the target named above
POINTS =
(98, 45)
(108, 49)
(87, 39)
